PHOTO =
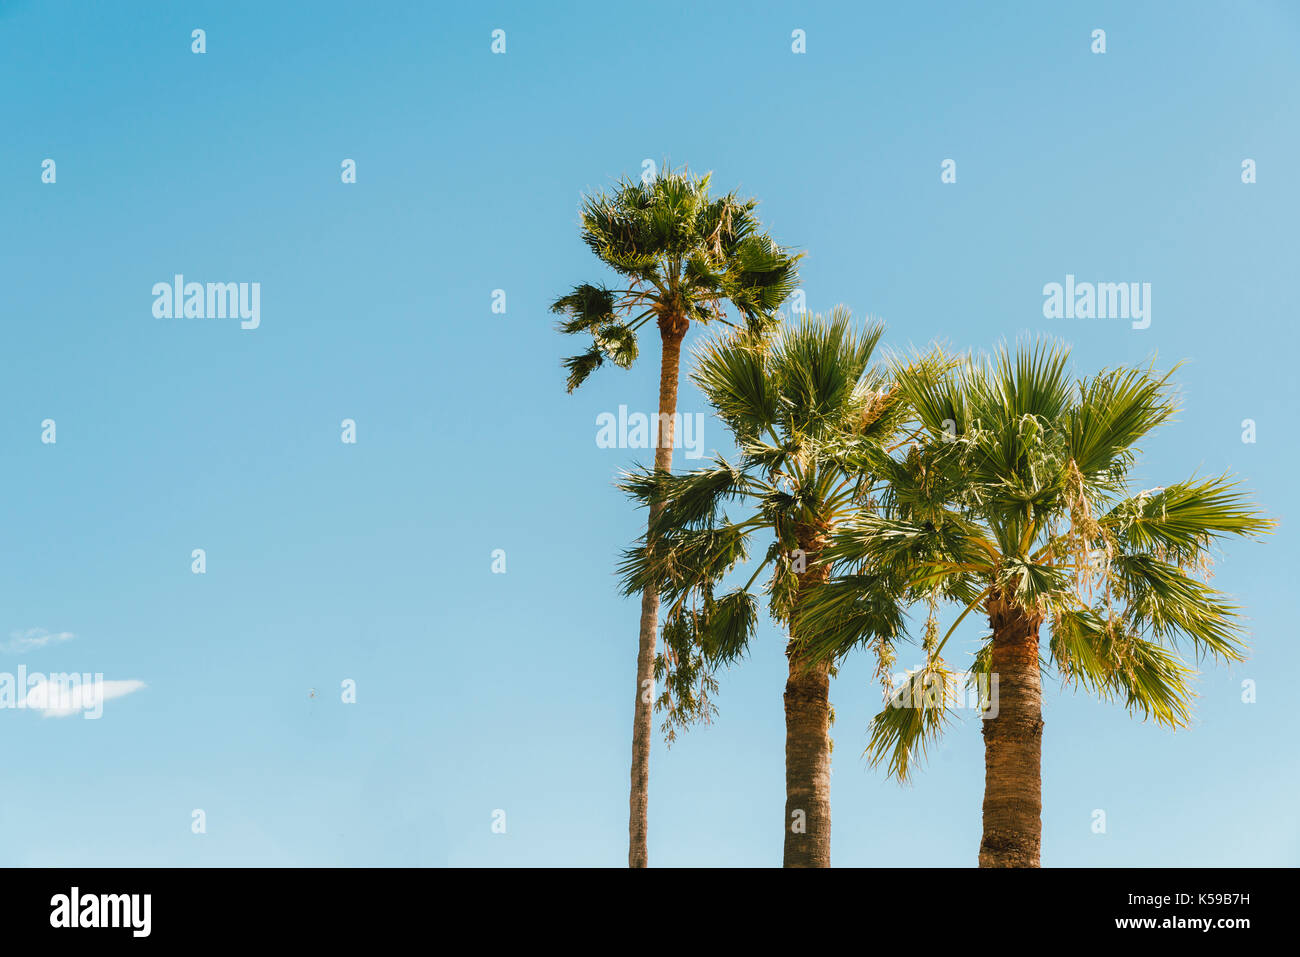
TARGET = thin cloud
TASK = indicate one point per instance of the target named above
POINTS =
(59, 699)
(21, 641)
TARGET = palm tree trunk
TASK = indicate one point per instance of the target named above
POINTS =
(1013, 741)
(672, 331)
(808, 739)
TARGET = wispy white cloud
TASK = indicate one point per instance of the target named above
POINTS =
(20, 641)
(58, 699)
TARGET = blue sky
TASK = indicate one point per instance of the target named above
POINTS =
(372, 561)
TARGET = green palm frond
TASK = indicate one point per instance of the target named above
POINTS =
(760, 276)
(732, 372)
(1099, 655)
(728, 624)
(848, 612)
(1114, 410)
(1029, 381)
(1173, 605)
(588, 307)
(581, 366)
(926, 551)
(1033, 584)
(912, 720)
(818, 363)
(1180, 519)
(686, 680)
(932, 388)
(685, 561)
(618, 343)
(690, 500)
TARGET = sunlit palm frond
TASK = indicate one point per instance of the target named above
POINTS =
(692, 499)
(1103, 657)
(817, 363)
(851, 611)
(1114, 410)
(1174, 605)
(912, 720)
(732, 372)
(1179, 520)
(683, 562)
(759, 277)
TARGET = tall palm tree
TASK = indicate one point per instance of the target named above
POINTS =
(682, 255)
(1017, 500)
(809, 416)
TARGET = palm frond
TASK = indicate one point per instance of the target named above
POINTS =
(689, 500)
(817, 364)
(1101, 656)
(727, 625)
(912, 720)
(848, 612)
(1180, 519)
(1114, 410)
(588, 307)
(684, 561)
(732, 372)
(1172, 604)
(580, 366)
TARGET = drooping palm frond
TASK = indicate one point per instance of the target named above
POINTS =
(688, 500)
(851, 611)
(727, 626)
(684, 561)
(1173, 605)
(912, 720)
(588, 307)
(1103, 657)
(580, 366)
(686, 679)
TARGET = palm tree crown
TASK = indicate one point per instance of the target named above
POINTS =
(1017, 498)
(682, 253)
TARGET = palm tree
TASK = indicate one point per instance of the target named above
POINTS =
(682, 255)
(1017, 500)
(809, 416)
